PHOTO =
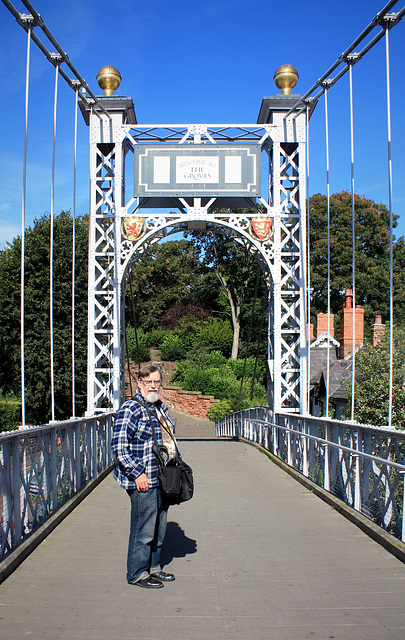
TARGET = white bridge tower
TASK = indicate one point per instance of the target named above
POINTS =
(148, 181)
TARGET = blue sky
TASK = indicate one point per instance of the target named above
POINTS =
(210, 62)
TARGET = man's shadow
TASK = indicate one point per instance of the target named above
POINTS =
(176, 544)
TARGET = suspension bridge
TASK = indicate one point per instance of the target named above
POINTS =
(309, 572)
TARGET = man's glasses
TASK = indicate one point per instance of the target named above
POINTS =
(149, 383)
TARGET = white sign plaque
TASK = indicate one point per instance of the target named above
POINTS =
(197, 169)
(231, 170)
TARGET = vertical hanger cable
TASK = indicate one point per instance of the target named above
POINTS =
(307, 336)
(23, 209)
(353, 244)
(328, 234)
(74, 256)
(387, 58)
(52, 246)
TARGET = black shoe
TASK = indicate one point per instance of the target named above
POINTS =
(148, 583)
(161, 575)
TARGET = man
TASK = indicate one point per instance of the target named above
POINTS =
(136, 471)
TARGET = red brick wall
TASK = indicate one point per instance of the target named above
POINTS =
(346, 330)
(322, 324)
(191, 402)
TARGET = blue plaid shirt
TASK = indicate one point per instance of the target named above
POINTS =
(132, 442)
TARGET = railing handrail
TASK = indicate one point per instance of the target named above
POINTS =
(44, 467)
(345, 458)
(35, 429)
(332, 443)
(348, 423)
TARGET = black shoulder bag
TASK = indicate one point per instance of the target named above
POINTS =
(175, 476)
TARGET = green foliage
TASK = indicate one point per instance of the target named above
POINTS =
(239, 365)
(37, 312)
(216, 377)
(220, 410)
(10, 415)
(213, 334)
(166, 284)
(173, 347)
(138, 346)
(371, 256)
(236, 271)
(372, 383)
(155, 337)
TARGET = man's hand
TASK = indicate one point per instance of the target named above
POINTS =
(142, 482)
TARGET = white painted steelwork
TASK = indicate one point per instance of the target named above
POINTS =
(41, 468)
(122, 227)
(362, 465)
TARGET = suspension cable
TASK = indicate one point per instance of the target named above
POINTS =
(383, 20)
(37, 21)
(353, 244)
(134, 322)
(249, 336)
(328, 233)
(74, 257)
(259, 339)
(55, 104)
(308, 315)
(387, 57)
(23, 209)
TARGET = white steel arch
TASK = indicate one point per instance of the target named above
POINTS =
(125, 219)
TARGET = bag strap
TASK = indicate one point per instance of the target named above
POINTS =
(155, 448)
(178, 454)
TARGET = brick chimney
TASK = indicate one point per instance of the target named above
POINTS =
(377, 331)
(322, 324)
(346, 325)
(310, 331)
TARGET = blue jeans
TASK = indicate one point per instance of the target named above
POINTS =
(147, 532)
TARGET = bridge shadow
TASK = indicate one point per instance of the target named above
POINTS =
(176, 544)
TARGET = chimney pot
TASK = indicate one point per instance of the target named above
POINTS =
(348, 299)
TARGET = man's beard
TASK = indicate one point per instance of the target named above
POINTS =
(152, 397)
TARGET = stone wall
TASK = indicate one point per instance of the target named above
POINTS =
(191, 402)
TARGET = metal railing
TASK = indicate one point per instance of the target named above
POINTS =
(362, 465)
(41, 468)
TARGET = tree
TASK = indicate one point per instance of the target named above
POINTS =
(371, 255)
(236, 270)
(371, 395)
(168, 283)
(37, 313)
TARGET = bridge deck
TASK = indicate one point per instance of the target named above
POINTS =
(256, 556)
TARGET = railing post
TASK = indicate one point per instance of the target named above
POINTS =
(16, 486)
(357, 481)
(53, 464)
(289, 455)
(326, 473)
(78, 466)
(305, 468)
(94, 446)
(275, 437)
(403, 507)
(109, 438)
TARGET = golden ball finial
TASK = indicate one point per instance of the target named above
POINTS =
(285, 78)
(109, 79)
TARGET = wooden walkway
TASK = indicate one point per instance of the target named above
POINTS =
(256, 557)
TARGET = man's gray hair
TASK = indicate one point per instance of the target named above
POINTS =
(148, 369)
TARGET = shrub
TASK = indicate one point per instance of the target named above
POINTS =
(173, 347)
(237, 366)
(220, 410)
(156, 337)
(210, 359)
(10, 415)
(213, 334)
(132, 346)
